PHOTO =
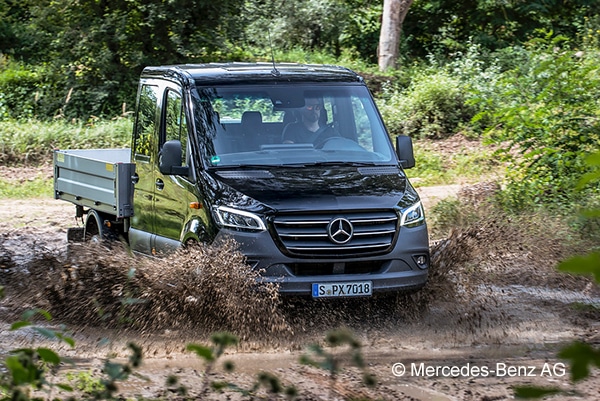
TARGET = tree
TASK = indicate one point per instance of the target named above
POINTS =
(444, 27)
(98, 47)
(394, 12)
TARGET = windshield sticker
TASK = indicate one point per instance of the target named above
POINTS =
(215, 160)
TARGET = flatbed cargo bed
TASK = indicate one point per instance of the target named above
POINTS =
(98, 179)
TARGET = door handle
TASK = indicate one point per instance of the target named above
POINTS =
(135, 179)
(160, 184)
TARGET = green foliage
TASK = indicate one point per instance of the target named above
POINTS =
(584, 265)
(115, 372)
(461, 165)
(220, 342)
(25, 369)
(78, 59)
(18, 92)
(99, 49)
(332, 361)
(443, 27)
(38, 187)
(439, 99)
(210, 354)
(85, 382)
(581, 355)
(588, 265)
(433, 106)
(327, 26)
(30, 91)
(34, 141)
(546, 112)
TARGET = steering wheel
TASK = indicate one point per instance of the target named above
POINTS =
(324, 142)
(322, 139)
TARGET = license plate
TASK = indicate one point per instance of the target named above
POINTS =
(352, 289)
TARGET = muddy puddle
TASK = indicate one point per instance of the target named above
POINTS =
(487, 302)
(202, 290)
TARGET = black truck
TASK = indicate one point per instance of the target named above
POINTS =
(291, 161)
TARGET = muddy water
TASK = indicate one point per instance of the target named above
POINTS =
(485, 304)
(203, 290)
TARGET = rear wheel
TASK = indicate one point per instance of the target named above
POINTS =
(95, 231)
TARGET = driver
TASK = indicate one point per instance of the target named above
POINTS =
(308, 129)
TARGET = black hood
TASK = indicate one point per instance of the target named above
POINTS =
(316, 188)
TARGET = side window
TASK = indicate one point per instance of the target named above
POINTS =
(146, 122)
(175, 126)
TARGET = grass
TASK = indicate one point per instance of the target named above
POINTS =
(29, 146)
(32, 142)
(444, 162)
(39, 187)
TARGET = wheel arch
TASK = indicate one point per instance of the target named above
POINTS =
(94, 226)
(195, 231)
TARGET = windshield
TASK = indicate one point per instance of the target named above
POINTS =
(292, 125)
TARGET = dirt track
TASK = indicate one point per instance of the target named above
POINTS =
(500, 325)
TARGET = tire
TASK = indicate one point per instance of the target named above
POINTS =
(94, 230)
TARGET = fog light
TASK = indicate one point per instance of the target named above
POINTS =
(422, 261)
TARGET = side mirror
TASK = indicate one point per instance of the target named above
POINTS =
(404, 150)
(169, 159)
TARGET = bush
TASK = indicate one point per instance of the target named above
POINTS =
(28, 92)
(433, 106)
(545, 113)
(19, 92)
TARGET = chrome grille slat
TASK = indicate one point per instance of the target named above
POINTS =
(303, 235)
(374, 221)
(306, 235)
(305, 223)
(342, 248)
(375, 233)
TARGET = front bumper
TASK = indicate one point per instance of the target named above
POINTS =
(394, 271)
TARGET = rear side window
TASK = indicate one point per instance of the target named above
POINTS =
(145, 127)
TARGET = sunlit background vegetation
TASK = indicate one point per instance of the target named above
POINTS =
(522, 76)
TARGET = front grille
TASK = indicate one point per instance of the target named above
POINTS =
(307, 234)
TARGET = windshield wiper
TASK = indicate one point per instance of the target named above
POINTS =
(343, 163)
(298, 165)
(250, 166)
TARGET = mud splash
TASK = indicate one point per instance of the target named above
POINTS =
(207, 289)
(199, 290)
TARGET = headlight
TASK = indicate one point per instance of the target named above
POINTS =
(413, 216)
(229, 217)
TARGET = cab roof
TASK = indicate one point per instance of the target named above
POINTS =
(234, 73)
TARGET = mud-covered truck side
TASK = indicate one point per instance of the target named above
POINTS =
(291, 161)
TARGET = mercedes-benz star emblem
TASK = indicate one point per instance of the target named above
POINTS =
(340, 230)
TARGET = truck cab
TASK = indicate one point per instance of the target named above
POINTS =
(291, 161)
